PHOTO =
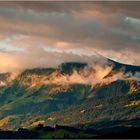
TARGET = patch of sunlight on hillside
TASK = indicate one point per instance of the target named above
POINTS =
(82, 111)
(133, 103)
(57, 88)
(37, 123)
(5, 120)
(132, 89)
(51, 119)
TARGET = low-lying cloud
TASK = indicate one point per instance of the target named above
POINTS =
(90, 75)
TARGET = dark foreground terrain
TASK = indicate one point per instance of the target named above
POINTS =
(66, 132)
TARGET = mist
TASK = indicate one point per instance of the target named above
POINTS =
(90, 75)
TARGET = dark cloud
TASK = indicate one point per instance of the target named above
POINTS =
(68, 31)
(126, 7)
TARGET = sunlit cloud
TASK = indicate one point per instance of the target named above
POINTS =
(45, 34)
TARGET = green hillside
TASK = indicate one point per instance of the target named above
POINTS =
(46, 96)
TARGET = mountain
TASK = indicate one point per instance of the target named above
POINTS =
(4, 79)
(74, 94)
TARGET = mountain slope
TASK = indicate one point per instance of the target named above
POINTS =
(73, 94)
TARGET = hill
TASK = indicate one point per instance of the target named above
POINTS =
(74, 94)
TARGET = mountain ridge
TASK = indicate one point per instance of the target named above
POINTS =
(46, 96)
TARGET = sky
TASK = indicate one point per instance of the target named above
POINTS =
(45, 34)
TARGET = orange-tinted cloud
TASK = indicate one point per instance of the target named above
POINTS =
(44, 34)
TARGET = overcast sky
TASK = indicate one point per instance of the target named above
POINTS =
(45, 34)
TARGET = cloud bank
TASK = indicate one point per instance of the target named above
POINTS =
(45, 34)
